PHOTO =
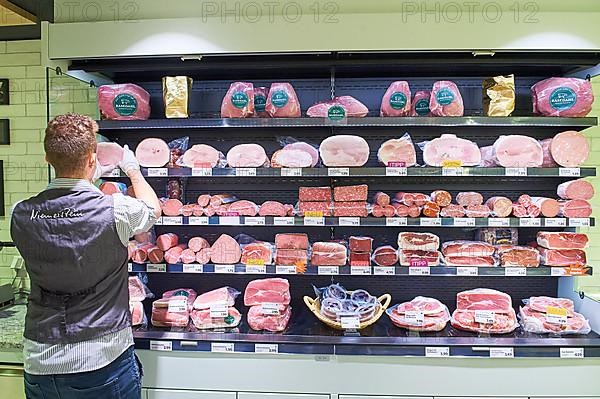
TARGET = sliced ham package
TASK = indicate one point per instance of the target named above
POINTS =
(123, 102)
(421, 314)
(239, 101)
(344, 151)
(203, 321)
(282, 101)
(418, 241)
(351, 106)
(329, 254)
(446, 99)
(396, 100)
(398, 152)
(410, 257)
(566, 97)
(518, 256)
(448, 147)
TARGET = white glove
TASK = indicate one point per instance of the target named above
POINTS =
(102, 170)
(129, 162)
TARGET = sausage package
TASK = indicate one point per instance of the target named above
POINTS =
(499, 95)
(176, 94)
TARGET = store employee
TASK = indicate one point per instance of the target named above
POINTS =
(78, 340)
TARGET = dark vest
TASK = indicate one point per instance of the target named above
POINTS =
(77, 265)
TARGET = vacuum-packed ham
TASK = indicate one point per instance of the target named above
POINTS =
(516, 256)
(401, 209)
(418, 199)
(302, 146)
(361, 244)
(414, 211)
(173, 255)
(197, 243)
(203, 321)
(153, 153)
(448, 147)
(570, 149)
(239, 101)
(172, 207)
(379, 211)
(477, 211)
(247, 156)
(453, 211)
(259, 321)
(563, 257)
(575, 209)
(202, 156)
(140, 253)
(203, 256)
(109, 153)
(282, 101)
(290, 158)
(539, 323)
(562, 240)
(188, 256)
(243, 208)
(407, 257)
(291, 257)
(272, 208)
(500, 206)
(385, 256)
(328, 254)
(548, 207)
(579, 189)
(484, 299)
(257, 253)
(435, 315)
(446, 99)
(291, 241)
(260, 102)
(418, 241)
(525, 200)
(396, 100)
(420, 104)
(167, 241)
(548, 160)
(220, 199)
(398, 152)
(320, 208)
(541, 303)
(460, 260)
(225, 250)
(467, 248)
(344, 150)
(173, 309)
(123, 102)
(315, 194)
(441, 197)
(469, 198)
(519, 210)
(270, 290)
(352, 107)
(155, 255)
(516, 151)
(226, 295)
(466, 320)
(351, 193)
(567, 97)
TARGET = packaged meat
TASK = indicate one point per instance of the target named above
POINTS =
(570, 149)
(453, 211)
(575, 209)
(247, 156)
(360, 258)
(221, 199)
(305, 147)
(549, 207)
(203, 256)
(517, 256)
(351, 209)
(467, 320)
(579, 189)
(548, 160)
(396, 100)
(519, 210)
(418, 241)
(316, 209)
(175, 189)
(351, 193)
(448, 147)
(562, 240)
(226, 295)
(203, 200)
(155, 255)
(533, 211)
(401, 210)
(409, 257)
(153, 153)
(398, 152)
(344, 151)
(361, 244)
(258, 252)
(172, 207)
(484, 299)
(315, 194)
(167, 241)
(202, 156)
(517, 151)
(420, 103)
(541, 303)
(567, 97)
(123, 102)
(385, 256)
(499, 95)
(379, 211)
(173, 255)
(243, 208)
(109, 154)
(260, 101)
(467, 248)
(137, 313)
(541, 323)
(441, 197)
(524, 200)
(352, 108)
(381, 199)
(421, 314)
(462, 260)
(291, 241)
(409, 199)
(188, 256)
(173, 309)
(469, 198)
(111, 187)
(446, 99)
(203, 321)
(498, 236)
(563, 257)
(270, 290)
(197, 243)
(188, 210)
(239, 101)
(225, 251)
(477, 211)
(499, 206)
(272, 208)
(137, 290)
(176, 93)
(431, 209)
(328, 254)
(414, 211)
(258, 320)
(290, 158)
(291, 257)
(282, 101)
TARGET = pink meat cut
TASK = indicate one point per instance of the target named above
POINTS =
(291, 241)
(570, 149)
(155, 255)
(353, 107)
(431, 323)
(140, 254)
(167, 241)
(109, 153)
(548, 160)
(567, 97)
(516, 256)
(302, 146)
(257, 251)
(225, 251)
(385, 256)
(450, 147)
(201, 156)
(484, 299)
(418, 241)
(161, 317)
(290, 158)
(153, 153)
(562, 240)
(537, 323)
(291, 257)
(467, 248)
(429, 306)
(272, 208)
(203, 256)
(420, 104)
(239, 101)
(203, 321)
(500, 206)
(123, 102)
(467, 198)
(172, 207)
(549, 207)
(446, 99)
(173, 255)
(576, 189)
(274, 323)
(503, 322)
(351, 193)
(563, 257)
(283, 101)
(407, 256)
(398, 152)
(541, 303)
(575, 209)
(396, 100)
(315, 194)
(517, 151)
(270, 290)
(137, 292)
(225, 295)
(361, 244)
(247, 156)
(328, 254)
(137, 313)
(479, 261)
(344, 150)
(188, 256)
(197, 243)
(243, 208)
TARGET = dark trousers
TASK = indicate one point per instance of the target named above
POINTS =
(119, 380)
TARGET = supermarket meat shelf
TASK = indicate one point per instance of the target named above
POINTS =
(212, 123)
(372, 221)
(447, 271)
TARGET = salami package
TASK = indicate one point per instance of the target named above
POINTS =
(176, 94)
(499, 95)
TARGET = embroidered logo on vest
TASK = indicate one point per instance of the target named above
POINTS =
(66, 213)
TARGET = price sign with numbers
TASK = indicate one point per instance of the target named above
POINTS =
(518, 172)
(498, 222)
(314, 221)
(502, 353)
(172, 220)
(254, 221)
(158, 172)
(219, 310)
(360, 270)
(384, 271)
(437, 351)
(156, 268)
(350, 322)
(419, 271)
(198, 221)
(431, 222)
(161, 346)
(396, 221)
(515, 271)
(291, 172)
(464, 222)
(245, 172)
(572, 353)
(225, 269)
(555, 222)
(569, 172)
(530, 222)
(222, 347)
(283, 221)
(467, 271)
(271, 349)
(285, 269)
(329, 270)
(202, 172)
(338, 172)
(193, 268)
(453, 172)
(485, 316)
(349, 221)
(394, 171)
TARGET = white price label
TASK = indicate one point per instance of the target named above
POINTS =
(530, 222)
(396, 222)
(431, 222)
(498, 222)
(339, 172)
(414, 318)
(172, 220)
(254, 221)
(221, 347)
(219, 310)
(569, 172)
(285, 269)
(129, 267)
(519, 172)
(291, 172)
(467, 271)
(198, 221)
(485, 316)
(572, 353)
(283, 221)
(314, 221)
(349, 221)
(270, 309)
(113, 173)
(579, 222)
(384, 271)
(558, 271)
(225, 269)
(158, 172)
(502, 353)
(360, 270)
(267, 349)
(156, 268)
(391, 171)
(229, 220)
(437, 351)
(329, 270)
(202, 172)
(350, 322)
(256, 269)
(453, 172)
(419, 271)
(245, 172)
(464, 222)
(556, 319)
(178, 305)
(193, 268)
(161, 346)
(515, 271)
(555, 222)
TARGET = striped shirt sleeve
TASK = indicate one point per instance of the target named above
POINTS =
(132, 216)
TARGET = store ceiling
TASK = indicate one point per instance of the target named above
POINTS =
(13, 15)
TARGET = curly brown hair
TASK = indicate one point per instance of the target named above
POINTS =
(69, 141)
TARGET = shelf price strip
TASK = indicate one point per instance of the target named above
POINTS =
(437, 351)
(502, 353)
(572, 353)
(161, 346)
(222, 347)
(268, 349)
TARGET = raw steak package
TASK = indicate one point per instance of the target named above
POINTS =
(467, 320)
(541, 322)
(282, 101)
(123, 102)
(448, 147)
(570, 97)
(561, 240)
(173, 309)
(484, 299)
(291, 241)
(260, 318)
(221, 295)
(396, 100)
(345, 106)
(344, 151)
(499, 95)
(495, 305)
(385, 256)
(176, 95)
(446, 99)
(420, 104)
(138, 290)
(421, 314)
(270, 290)
(203, 321)
(398, 152)
(498, 235)
(238, 101)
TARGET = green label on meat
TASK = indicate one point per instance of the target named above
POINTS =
(563, 98)
(422, 107)
(239, 99)
(279, 98)
(125, 104)
(398, 100)
(229, 319)
(336, 113)
(181, 293)
(444, 96)
(260, 102)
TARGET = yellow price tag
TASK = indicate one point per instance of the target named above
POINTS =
(255, 262)
(313, 214)
(556, 311)
(452, 163)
